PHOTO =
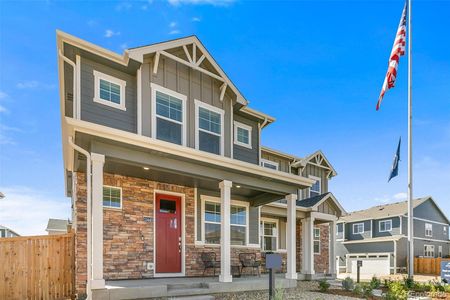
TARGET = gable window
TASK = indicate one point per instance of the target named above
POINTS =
(385, 226)
(168, 115)
(358, 228)
(212, 220)
(209, 128)
(428, 229)
(316, 240)
(109, 90)
(315, 189)
(242, 135)
(269, 164)
(269, 234)
(112, 197)
(428, 250)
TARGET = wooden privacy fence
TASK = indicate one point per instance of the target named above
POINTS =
(428, 265)
(37, 267)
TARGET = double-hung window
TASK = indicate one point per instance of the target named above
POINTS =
(209, 128)
(269, 234)
(212, 221)
(316, 240)
(439, 251)
(109, 90)
(242, 134)
(112, 197)
(428, 250)
(269, 164)
(428, 229)
(168, 117)
(315, 189)
(385, 225)
(358, 228)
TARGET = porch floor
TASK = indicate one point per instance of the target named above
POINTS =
(185, 286)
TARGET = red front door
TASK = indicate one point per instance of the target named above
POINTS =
(168, 234)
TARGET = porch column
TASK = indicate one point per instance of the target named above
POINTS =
(225, 229)
(308, 246)
(291, 238)
(98, 161)
(331, 252)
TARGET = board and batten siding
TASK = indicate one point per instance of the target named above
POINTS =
(283, 162)
(311, 170)
(103, 114)
(195, 85)
(243, 153)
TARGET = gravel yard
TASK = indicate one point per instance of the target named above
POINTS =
(305, 290)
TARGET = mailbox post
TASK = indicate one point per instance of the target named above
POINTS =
(273, 262)
(358, 267)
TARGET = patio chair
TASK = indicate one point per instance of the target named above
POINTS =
(210, 262)
(248, 260)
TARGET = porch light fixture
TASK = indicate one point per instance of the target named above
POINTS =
(238, 186)
(146, 168)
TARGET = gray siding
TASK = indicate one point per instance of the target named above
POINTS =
(103, 114)
(395, 227)
(366, 234)
(283, 162)
(243, 153)
(438, 230)
(419, 247)
(317, 172)
(340, 231)
(196, 86)
(428, 210)
(68, 89)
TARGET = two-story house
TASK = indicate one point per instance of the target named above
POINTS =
(378, 236)
(163, 162)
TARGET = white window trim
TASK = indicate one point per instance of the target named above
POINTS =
(425, 252)
(266, 161)
(121, 196)
(262, 220)
(428, 235)
(245, 127)
(205, 198)
(157, 88)
(355, 225)
(384, 221)
(316, 239)
(122, 83)
(199, 104)
(440, 251)
(320, 185)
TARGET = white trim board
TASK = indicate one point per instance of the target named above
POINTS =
(111, 79)
(245, 127)
(221, 112)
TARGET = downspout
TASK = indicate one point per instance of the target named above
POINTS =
(88, 209)
(260, 126)
(75, 96)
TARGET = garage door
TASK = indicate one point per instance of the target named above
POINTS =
(377, 265)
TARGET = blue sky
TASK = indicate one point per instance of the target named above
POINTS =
(316, 66)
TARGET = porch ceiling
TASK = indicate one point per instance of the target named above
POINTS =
(130, 161)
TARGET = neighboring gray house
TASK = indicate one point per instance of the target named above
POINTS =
(6, 232)
(378, 236)
(57, 226)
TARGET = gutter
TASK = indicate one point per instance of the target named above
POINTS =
(88, 207)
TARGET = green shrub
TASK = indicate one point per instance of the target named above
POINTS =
(408, 282)
(375, 283)
(279, 293)
(324, 285)
(367, 290)
(348, 284)
(358, 290)
(422, 287)
(397, 291)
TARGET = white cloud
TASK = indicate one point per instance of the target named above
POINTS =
(398, 197)
(110, 33)
(196, 19)
(123, 6)
(27, 210)
(3, 95)
(3, 109)
(201, 2)
(34, 84)
(175, 31)
(172, 24)
(145, 6)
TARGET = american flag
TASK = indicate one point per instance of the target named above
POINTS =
(397, 50)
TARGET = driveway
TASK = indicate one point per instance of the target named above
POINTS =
(418, 278)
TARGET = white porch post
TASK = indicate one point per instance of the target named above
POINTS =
(225, 248)
(98, 161)
(308, 246)
(291, 238)
(332, 253)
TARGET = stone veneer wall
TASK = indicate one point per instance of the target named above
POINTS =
(128, 239)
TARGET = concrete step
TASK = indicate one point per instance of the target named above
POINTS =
(198, 297)
(187, 292)
(174, 286)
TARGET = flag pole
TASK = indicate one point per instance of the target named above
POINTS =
(410, 172)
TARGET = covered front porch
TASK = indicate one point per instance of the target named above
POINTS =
(124, 242)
